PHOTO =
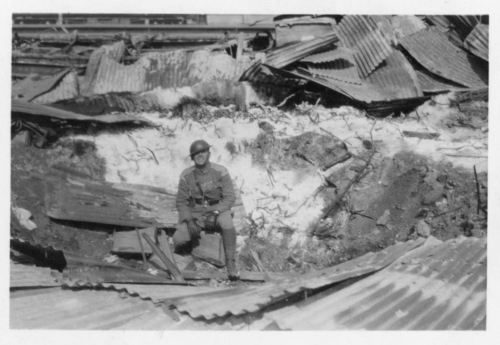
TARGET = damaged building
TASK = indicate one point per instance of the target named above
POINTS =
(357, 146)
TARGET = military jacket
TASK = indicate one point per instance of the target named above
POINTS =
(212, 184)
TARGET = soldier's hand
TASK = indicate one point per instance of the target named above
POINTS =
(193, 229)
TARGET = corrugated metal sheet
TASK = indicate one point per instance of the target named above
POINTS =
(24, 276)
(70, 197)
(31, 87)
(397, 76)
(384, 24)
(166, 70)
(331, 55)
(243, 300)
(406, 25)
(478, 41)
(432, 83)
(447, 28)
(66, 89)
(364, 92)
(440, 286)
(43, 110)
(338, 64)
(362, 34)
(463, 25)
(56, 308)
(432, 49)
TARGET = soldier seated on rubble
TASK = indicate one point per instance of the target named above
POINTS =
(204, 200)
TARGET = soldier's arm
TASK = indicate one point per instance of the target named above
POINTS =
(228, 195)
(182, 200)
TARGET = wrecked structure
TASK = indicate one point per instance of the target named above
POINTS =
(358, 150)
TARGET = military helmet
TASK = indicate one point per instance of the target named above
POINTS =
(198, 146)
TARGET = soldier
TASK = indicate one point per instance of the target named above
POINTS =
(204, 200)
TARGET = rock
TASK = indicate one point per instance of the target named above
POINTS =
(433, 196)
(422, 228)
(385, 218)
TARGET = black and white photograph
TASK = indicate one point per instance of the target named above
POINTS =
(273, 169)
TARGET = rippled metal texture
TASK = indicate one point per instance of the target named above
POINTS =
(431, 48)
(397, 76)
(362, 34)
(478, 41)
(242, 300)
(440, 286)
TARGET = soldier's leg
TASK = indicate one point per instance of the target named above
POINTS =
(228, 232)
(181, 238)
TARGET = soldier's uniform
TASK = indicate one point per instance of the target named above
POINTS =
(200, 190)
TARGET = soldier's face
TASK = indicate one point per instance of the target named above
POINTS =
(201, 157)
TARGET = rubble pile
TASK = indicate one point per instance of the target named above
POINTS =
(343, 139)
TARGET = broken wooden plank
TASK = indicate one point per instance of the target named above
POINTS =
(209, 248)
(127, 242)
(69, 196)
(24, 107)
(421, 135)
(172, 267)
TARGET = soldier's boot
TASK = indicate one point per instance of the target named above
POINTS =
(229, 243)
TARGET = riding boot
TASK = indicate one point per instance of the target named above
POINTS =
(229, 243)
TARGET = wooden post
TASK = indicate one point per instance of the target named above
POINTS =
(169, 264)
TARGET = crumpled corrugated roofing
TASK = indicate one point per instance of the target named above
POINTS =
(24, 276)
(433, 83)
(166, 70)
(362, 34)
(431, 48)
(478, 41)
(364, 92)
(338, 64)
(397, 76)
(243, 300)
(440, 286)
(67, 88)
(30, 88)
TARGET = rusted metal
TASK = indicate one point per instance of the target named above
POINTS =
(440, 286)
(478, 41)
(431, 48)
(362, 34)
(396, 76)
